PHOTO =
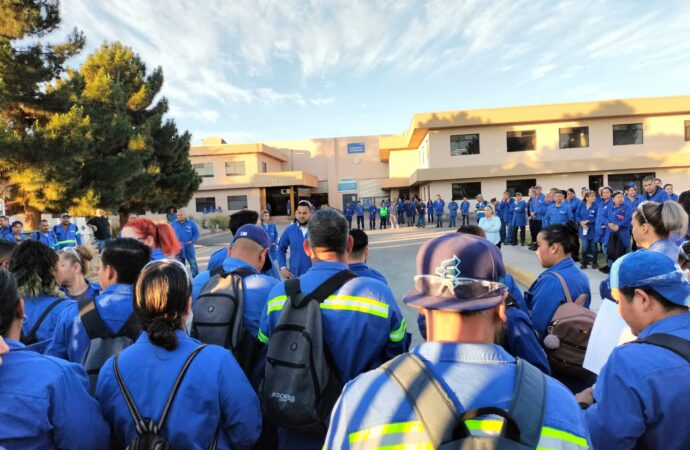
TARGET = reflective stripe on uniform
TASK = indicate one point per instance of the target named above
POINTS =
(411, 435)
(399, 334)
(340, 302)
(262, 337)
(71, 241)
(276, 303)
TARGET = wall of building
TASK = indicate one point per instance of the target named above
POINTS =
(221, 198)
(402, 163)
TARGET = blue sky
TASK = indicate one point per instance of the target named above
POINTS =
(258, 70)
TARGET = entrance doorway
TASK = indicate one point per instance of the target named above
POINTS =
(278, 198)
(349, 198)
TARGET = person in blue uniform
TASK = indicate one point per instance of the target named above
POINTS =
(640, 398)
(421, 209)
(410, 212)
(655, 227)
(187, 233)
(374, 412)
(439, 205)
(215, 400)
(572, 200)
(586, 218)
(558, 212)
(602, 229)
(668, 188)
(372, 210)
(347, 212)
(536, 215)
(430, 211)
(652, 191)
(45, 234)
(272, 231)
(16, 235)
(619, 220)
(400, 210)
(66, 233)
(465, 211)
(121, 262)
(72, 269)
(518, 220)
(5, 228)
(452, 213)
(631, 196)
(44, 401)
(505, 209)
(359, 212)
(362, 323)
(293, 240)
(357, 258)
(479, 207)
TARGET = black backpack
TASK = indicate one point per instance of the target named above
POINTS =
(670, 342)
(149, 437)
(445, 426)
(103, 343)
(31, 338)
(301, 384)
(218, 317)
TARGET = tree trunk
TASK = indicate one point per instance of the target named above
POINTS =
(32, 217)
(124, 215)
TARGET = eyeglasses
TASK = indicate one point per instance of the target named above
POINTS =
(71, 251)
(464, 288)
(171, 261)
(640, 209)
(675, 278)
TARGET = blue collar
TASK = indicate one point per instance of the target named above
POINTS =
(668, 324)
(329, 265)
(358, 265)
(118, 288)
(181, 336)
(14, 345)
(231, 263)
(463, 353)
(564, 264)
(157, 254)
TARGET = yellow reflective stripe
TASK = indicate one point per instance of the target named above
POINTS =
(423, 446)
(399, 334)
(276, 303)
(355, 308)
(71, 241)
(484, 425)
(494, 426)
(390, 428)
(358, 299)
(358, 304)
(564, 436)
(262, 337)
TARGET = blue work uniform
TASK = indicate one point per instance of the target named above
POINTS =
(601, 221)
(590, 215)
(516, 293)
(13, 237)
(453, 209)
(70, 341)
(659, 196)
(45, 403)
(362, 321)
(256, 290)
(666, 246)
(479, 209)
(642, 394)
(34, 308)
(621, 216)
(363, 270)
(187, 231)
(348, 212)
(273, 233)
(673, 197)
(633, 203)
(4, 231)
(48, 238)
(465, 208)
(92, 290)
(157, 254)
(293, 239)
(546, 294)
(213, 394)
(557, 214)
(66, 237)
(519, 218)
(373, 409)
(372, 212)
(574, 205)
(217, 258)
(536, 206)
(359, 211)
(439, 205)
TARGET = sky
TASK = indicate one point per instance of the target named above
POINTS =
(252, 71)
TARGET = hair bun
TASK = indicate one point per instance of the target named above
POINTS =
(161, 331)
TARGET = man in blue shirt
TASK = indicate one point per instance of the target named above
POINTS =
(439, 204)
(452, 213)
(372, 215)
(653, 192)
(642, 391)
(465, 211)
(668, 187)
(357, 258)
(479, 207)
(4, 226)
(44, 401)
(66, 233)
(347, 212)
(536, 215)
(45, 235)
(293, 239)
(459, 288)
(359, 212)
(505, 209)
(631, 196)
(519, 220)
(187, 233)
(573, 201)
(558, 211)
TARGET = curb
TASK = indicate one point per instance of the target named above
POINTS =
(523, 277)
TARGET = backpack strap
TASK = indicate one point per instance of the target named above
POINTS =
(141, 426)
(564, 285)
(95, 327)
(677, 345)
(319, 294)
(528, 404)
(32, 333)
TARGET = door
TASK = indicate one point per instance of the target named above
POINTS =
(349, 198)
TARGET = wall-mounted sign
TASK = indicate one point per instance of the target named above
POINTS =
(355, 147)
(347, 184)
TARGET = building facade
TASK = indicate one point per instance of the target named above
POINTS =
(460, 153)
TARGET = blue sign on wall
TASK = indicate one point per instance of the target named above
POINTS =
(356, 147)
(347, 184)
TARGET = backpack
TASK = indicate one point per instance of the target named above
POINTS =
(615, 248)
(301, 384)
(103, 343)
(31, 338)
(446, 427)
(218, 316)
(148, 432)
(678, 345)
(568, 335)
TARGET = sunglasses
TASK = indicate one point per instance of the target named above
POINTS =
(461, 288)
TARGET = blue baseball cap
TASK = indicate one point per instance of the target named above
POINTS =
(458, 272)
(646, 268)
(632, 184)
(258, 235)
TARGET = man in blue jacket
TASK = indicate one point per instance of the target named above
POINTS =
(372, 215)
(187, 233)
(602, 229)
(641, 393)
(359, 212)
(357, 258)
(66, 233)
(536, 215)
(558, 211)
(519, 220)
(479, 207)
(505, 209)
(668, 188)
(459, 288)
(347, 212)
(294, 238)
(5, 228)
(439, 204)
(452, 213)
(465, 211)
(652, 191)
(45, 235)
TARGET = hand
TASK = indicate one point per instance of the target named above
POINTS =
(585, 397)
(286, 273)
(584, 223)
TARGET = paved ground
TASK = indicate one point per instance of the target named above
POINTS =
(393, 253)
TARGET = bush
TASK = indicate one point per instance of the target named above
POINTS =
(215, 222)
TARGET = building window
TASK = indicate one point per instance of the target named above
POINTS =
(619, 180)
(469, 190)
(204, 170)
(236, 202)
(687, 130)
(521, 186)
(520, 141)
(234, 168)
(627, 134)
(264, 167)
(576, 137)
(595, 182)
(464, 144)
(205, 203)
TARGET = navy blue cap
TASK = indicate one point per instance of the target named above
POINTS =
(646, 268)
(458, 272)
(258, 235)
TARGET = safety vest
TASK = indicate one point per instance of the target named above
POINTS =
(384, 211)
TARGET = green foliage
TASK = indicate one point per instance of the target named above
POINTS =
(215, 222)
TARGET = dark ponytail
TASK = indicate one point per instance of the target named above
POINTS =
(564, 234)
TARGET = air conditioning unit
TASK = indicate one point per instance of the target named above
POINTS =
(285, 191)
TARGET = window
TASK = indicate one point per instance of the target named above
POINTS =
(464, 144)
(264, 167)
(595, 182)
(236, 202)
(234, 168)
(469, 190)
(520, 141)
(627, 134)
(204, 169)
(577, 137)
(687, 130)
(619, 180)
(205, 203)
(521, 186)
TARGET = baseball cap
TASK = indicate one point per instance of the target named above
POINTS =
(64, 215)
(258, 235)
(645, 268)
(458, 272)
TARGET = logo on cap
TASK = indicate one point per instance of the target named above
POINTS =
(244, 233)
(450, 270)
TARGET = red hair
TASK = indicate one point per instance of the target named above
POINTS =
(162, 233)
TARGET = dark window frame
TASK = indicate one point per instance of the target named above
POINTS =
(617, 181)
(234, 198)
(569, 142)
(519, 138)
(470, 189)
(624, 128)
(204, 202)
(471, 138)
(525, 184)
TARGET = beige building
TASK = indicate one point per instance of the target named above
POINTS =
(458, 153)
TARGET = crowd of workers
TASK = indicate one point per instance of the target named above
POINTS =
(292, 341)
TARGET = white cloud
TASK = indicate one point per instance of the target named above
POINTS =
(540, 71)
(322, 101)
